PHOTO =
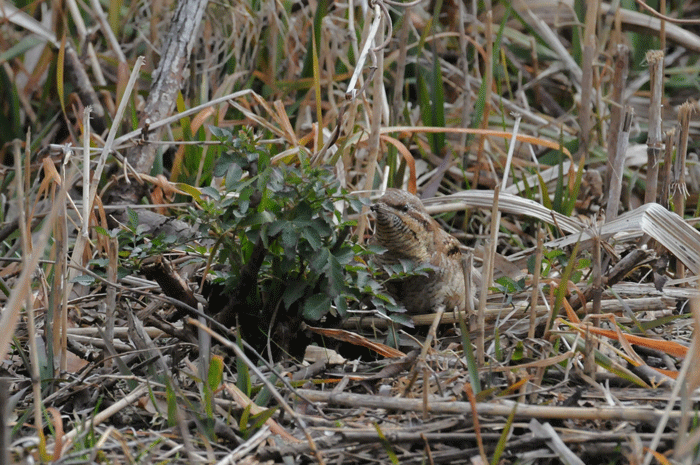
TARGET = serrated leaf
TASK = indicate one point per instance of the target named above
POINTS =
(222, 134)
(320, 260)
(316, 307)
(274, 228)
(133, 218)
(102, 262)
(341, 304)
(334, 272)
(234, 173)
(312, 237)
(376, 248)
(345, 255)
(288, 239)
(84, 280)
(257, 219)
(402, 319)
(293, 292)
(211, 192)
(508, 285)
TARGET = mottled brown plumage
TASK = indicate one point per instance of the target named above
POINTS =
(407, 231)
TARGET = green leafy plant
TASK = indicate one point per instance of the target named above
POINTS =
(135, 245)
(283, 250)
(556, 259)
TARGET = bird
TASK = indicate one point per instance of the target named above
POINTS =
(408, 232)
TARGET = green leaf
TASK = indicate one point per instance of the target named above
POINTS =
(318, 262)
(509, 285)
(573, 194)
(563, 285)
(133, 218)
(20, 48)
(321, 12)
(264, 397)
(468, 351)
(211, 192)
(293, 292)
(546, 201)
(276, 227)
(341, 303)
(345, 255)
(216, 372)
(171, 399)
(503, 440)
(84, 280)
(257, 219)
(191, 190)
(402, 319)
(234, 173)
(289, 239)
(243, 382)
(260, 418)
(243, 422)
(388, 448)
(224, 135)
(376, 248)
(316, 307)
(334, 272)
(101, 262)
(312, 237)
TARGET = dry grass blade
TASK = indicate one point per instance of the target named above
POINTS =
(669, 347)
(22, 287)
(22, 19)
(352, 338)
(81, 240)
(546, 431)
(554, 41)
(507, 203)
(667, 228)
(501, 408)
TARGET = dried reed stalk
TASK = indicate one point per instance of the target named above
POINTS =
(589, 51)
(666, 176)
(680, 190)
(536, 282)
(618, 167)
(655, 58)
(617, 99)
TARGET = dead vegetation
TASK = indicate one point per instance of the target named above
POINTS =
(553, 138)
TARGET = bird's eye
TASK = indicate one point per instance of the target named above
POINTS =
(404, 207)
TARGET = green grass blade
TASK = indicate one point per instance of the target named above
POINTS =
(503, 440)
(468, 350)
